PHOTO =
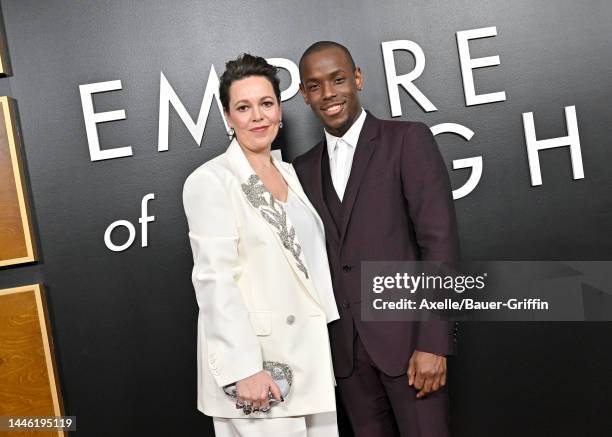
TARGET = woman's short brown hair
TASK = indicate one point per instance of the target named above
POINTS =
(244, 66)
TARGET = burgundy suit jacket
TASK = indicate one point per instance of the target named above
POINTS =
(397, 206)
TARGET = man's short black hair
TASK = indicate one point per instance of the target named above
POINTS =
(322, 45)
(244, 66)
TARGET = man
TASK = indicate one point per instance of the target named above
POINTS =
(383, 193)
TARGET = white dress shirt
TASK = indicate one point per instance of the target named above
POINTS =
(341, 152)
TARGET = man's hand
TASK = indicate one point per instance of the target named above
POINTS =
(427, 372)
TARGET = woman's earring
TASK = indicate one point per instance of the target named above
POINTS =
(231, 133)
(280, 125)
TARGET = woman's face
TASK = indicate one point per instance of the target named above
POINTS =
(253, 112)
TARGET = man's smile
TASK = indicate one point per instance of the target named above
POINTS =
(333, 109)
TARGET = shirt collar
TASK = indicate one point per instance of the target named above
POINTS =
(351, 137)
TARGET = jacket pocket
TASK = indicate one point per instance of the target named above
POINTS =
(261, 321)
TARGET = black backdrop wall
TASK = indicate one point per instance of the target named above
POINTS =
(124, 322)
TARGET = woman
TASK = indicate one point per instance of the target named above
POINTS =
(260, 273)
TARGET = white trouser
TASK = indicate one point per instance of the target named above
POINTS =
(313, 425)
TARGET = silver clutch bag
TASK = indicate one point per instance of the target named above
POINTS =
(281, 374)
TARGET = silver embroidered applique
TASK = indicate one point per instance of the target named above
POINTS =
(259, 196)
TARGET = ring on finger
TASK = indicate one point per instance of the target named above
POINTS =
(247, 408)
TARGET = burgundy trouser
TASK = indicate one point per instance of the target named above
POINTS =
(379, 405)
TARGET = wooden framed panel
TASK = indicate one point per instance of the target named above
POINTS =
(16, 239)
(5, 65)
(28, 374)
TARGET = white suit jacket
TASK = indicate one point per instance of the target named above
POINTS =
(256, 298)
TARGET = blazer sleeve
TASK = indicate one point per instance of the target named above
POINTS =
(234, 352)
(427, 190)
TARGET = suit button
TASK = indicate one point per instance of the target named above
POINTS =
(345, 303)
(290, 319)
(346, 268)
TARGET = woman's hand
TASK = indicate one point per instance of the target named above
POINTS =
(254, 390)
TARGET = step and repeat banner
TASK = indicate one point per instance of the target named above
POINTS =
(114, 103)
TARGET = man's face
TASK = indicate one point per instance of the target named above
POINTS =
(329, 86)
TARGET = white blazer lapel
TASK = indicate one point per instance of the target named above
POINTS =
(272, 212)
(325, 293)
